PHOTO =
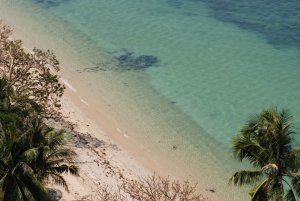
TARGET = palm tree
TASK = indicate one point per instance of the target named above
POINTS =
(28, 158)
(266, 142)
(48, 155)
(17, 178)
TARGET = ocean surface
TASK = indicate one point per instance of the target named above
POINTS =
(186, 70)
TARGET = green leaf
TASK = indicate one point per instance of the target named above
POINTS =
(36, 189)
(296, 184)
(30, 155)
(290, 196)
(246, 177)
(59, 180)
(259, 193)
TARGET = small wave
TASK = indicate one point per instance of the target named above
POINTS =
(120, 131)
(83, 101)
(69, 85)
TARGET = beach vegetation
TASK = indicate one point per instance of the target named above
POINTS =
(31, 158)
(32, 75)
(266, 142)
(152, 188)
(32, 153)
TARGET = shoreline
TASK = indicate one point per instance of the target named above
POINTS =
(175, 118)
(115, 127)
(125, 158)
(100, 159)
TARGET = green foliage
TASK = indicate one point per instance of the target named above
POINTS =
(266, 142)
(31, 75)
(17, 179)
(31, 153)
(30, 157)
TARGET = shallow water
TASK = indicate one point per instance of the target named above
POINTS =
(209, 64)
(217, 73)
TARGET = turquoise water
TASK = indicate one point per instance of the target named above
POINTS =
(218, 61)
(214, 62)
(217, 73)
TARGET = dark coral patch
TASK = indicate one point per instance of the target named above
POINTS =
(51, 3)
(126, 61)
(129, 61)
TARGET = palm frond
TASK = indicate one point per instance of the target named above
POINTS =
(54, 138)
(250, 128)
(53, 163)
(293, 159)
(275, 189)
(65, 169)
(286, 119)
(290, 196)
(245, 148)
(25, 194)
(296, 184)
(74, 170)
(22, 167)
(2, 180)
(12, 193)
(30, 155)
(245, 177)
(259, 192)
(35, 187)
(59, 180)
(65, 153)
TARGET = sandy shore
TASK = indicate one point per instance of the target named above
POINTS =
(106, 149)
(96, 137)
(106, 154)
(101, 161)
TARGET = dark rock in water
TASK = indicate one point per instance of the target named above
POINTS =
(131, 62)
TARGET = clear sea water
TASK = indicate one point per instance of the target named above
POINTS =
(209, 63)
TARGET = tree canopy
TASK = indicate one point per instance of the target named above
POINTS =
(32, 75)
(266, 141)
(31, 152)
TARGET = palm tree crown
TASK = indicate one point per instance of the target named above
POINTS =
(266, 142)
(29, 158)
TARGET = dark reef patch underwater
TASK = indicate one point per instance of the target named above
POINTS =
(129, 61)
(51, 3)
(126, 61)
(277, 20)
